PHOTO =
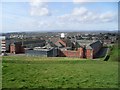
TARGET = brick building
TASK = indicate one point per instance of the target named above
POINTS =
(61, 47)
(61, 42)
(93, 49)
(71, 53)
(16, 48)
(83, 49)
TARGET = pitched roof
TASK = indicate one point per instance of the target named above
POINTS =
(95, 44)
(66, 41)
(59, 44)
(50, 44)
(83, 43)
(88, 47)
(31, 43)
(89, 44)
(54, 40)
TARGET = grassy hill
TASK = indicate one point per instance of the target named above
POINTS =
(114, 54)
(41, 72)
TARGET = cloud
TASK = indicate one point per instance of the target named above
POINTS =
(44, 24)
(40, 11)
(80, 11)
(83, 15)
(84, 1)
(39, 8)
(107, 17)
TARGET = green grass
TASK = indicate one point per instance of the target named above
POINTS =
(41, 72)
(19, 72)
(114, 53)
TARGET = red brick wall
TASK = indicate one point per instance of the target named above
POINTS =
(12, 49)
(69, 53)
(16, 49)
(89, 54)
(19, 49)
(80, 50)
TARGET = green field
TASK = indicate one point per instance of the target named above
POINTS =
(41, 72)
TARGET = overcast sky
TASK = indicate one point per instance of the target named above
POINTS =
(54, 16)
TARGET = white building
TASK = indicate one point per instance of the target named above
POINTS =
(2, 44)
(62, 35)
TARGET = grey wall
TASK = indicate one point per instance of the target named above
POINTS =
(35, 53)
(51, 53)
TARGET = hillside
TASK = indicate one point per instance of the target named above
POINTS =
(41, 72)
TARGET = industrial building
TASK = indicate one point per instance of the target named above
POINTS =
(16, 48)
(19, 47)
(49, 50)
(83, 49)
(58, 47)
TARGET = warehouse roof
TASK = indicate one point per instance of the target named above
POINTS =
(89, 44)
(83, 43)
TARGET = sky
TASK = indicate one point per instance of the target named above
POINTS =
(75, 15)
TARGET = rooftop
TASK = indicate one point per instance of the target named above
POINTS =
(85, 42)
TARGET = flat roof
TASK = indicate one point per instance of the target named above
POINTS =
(41, 49)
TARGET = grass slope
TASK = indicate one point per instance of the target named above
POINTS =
(114, 54)
(41, 72)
